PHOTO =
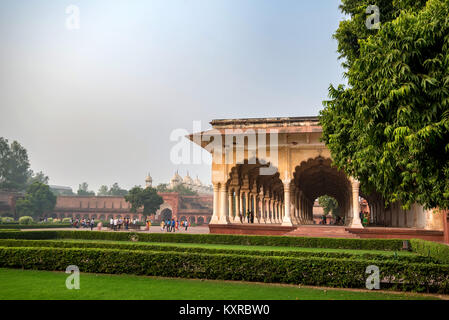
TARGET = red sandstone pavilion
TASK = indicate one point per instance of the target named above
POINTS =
(277, 167)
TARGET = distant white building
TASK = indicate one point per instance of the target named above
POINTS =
(195, 185)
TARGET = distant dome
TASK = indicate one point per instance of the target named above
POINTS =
(198, 182)
(188, 179)
(176, 177)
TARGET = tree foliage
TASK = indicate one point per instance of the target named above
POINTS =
(390, 126)
(115, 190)
(181, 189)
(329, 204)
(37, 177)
(146, 198)
(14, 166)
(83, 190)
(38, 200)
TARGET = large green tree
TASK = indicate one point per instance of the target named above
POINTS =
(38, 200)
(14, 166)
(389, 127)
(147, 198)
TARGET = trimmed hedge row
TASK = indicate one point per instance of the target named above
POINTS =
(285, 241)
(308, 271)
(34, 226)
(174, 248)
(437, 251)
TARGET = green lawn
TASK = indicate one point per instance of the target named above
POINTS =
(31, 284)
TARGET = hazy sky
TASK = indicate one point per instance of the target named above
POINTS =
(98, 103)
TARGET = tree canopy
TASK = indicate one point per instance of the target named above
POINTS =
(38, 200)
(115, 190)
(329, 204)
(83, 190)
(14, 166)
(389, 127)
(146, 198)
(181, 189)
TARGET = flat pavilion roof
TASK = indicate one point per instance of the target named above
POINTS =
(282, 125)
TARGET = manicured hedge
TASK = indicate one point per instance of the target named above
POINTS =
(175, 248)
(307, 271)
(35, 226)
(435, 250)
(32, 235)
(340, 243)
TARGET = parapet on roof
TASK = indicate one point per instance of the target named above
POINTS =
(265, 122)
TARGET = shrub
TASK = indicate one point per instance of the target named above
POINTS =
(437, 251)
(32, 235)
(340, 243)
(7, 220)
(66, 220)
(176, 248)
(26, 220)
(49, 220)
(33, 226)
(308, 271)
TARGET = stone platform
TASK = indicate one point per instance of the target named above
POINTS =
(327, 231)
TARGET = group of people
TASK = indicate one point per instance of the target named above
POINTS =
(84, 223)
(117, 224)
(171, 225)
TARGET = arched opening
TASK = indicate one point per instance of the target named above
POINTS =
(183, 218)
(315, 178)
(255, 191)
(192, 220)
(200, 221)
(166, 214)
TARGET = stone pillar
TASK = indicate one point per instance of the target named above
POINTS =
(215, 213)
(276, 211)
(247, 205)
(287, 221)
(238, 209)
(269, 212)
(231, 205)
(224, 212)
(255, 212)
(355, 221)
(261, 206)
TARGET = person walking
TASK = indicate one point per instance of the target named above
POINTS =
(115, 224)
(173, 224)
(186, 224)
(162, 225)
(92, 224)
(111, 223)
